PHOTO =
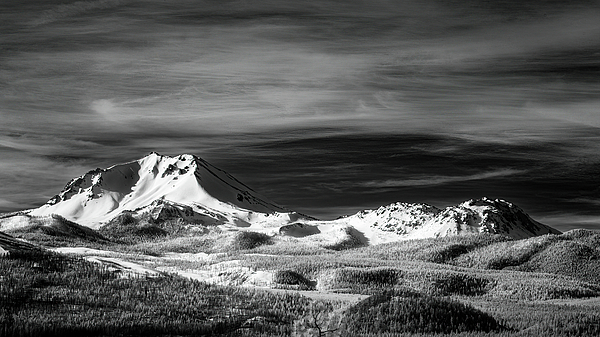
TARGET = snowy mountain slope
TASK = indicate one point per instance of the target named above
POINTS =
(100, 195)
(385, 224)
(403, 221)
(400, 218)
(484, 216)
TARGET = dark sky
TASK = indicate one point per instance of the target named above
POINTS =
(327, 107)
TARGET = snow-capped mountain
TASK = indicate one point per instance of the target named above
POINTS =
(484, 216)
(403, 221)
(164, 190)
(186, 183)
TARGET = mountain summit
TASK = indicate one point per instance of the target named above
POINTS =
(402, 221)
(484, 215)
(494, 216)
(185, 180)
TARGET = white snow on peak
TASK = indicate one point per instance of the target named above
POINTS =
(400, 217)
(99, 195)
(403, 221)
(494, 216)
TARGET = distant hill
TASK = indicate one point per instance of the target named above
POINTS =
(575, 253)
(47, 228)
(9, 244)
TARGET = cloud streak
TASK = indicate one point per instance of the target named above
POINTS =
(266, 66)
(440, 180)
(73, 9)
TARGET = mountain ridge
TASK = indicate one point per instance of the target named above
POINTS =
(160, 188)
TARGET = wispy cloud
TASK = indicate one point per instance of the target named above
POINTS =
(583, 113)
(590, 201)
(567, 221)
(440, 180)
(566, 31)
(27, 180)
(8, 204)
(230, 68)
(47, 145)
(76, 8)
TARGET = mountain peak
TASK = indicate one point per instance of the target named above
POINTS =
(101, 194)
(488, 202)
(414, 220)
(494, 216)
(155, 156)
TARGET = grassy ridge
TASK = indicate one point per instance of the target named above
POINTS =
(463, 265)
(52, 230)
(574, 254)
(46, 294)
(408, 311)
(49, 295)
